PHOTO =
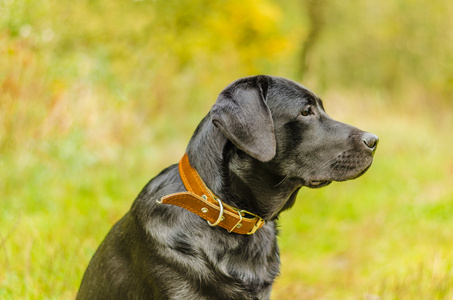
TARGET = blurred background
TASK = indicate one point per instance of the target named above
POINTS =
(97, 96)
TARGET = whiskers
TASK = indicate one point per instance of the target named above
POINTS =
(338, 168)
(283, 180)
(328, 165)
(346, 165)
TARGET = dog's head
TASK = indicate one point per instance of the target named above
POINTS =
(284, 125)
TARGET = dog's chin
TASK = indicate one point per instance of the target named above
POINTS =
(354, 175)
(317, 184)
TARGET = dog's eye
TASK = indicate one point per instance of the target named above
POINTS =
(307, 111)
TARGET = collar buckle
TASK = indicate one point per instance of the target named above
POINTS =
(257, 225)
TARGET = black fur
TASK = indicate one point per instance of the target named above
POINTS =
(255, 150)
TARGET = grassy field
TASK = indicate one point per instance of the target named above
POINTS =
(90, 111)
(387, 234)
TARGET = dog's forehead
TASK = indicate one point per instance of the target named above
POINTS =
(282, 95)
(284, 92)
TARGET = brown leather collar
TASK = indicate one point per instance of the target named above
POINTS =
(201, 201)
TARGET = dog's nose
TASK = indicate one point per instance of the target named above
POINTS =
(371, 141)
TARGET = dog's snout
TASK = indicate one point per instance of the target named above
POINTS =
(370, 140)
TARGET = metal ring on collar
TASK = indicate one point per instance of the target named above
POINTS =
(220, 214)
(238, 224)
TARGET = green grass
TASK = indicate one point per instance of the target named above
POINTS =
(387, 233)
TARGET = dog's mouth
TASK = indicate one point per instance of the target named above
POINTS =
(357, 175)
(314, 184)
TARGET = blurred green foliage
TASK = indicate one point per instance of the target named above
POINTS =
(98, 96)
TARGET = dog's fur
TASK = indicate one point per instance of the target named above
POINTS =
(263, 140)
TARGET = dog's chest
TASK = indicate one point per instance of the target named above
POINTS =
(243, 268)
(236, 265)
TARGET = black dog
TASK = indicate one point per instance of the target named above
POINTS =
(263, 140)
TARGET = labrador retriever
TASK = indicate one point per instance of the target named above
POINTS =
(206, 228)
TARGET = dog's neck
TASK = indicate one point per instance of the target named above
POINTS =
(205, 154)
(237, 178)
(260, 186)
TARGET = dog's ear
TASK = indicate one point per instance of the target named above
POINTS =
(242, 115)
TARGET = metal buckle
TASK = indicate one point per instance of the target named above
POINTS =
(257, 225)
(252, 214)
(220, 214)
(237, 224)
